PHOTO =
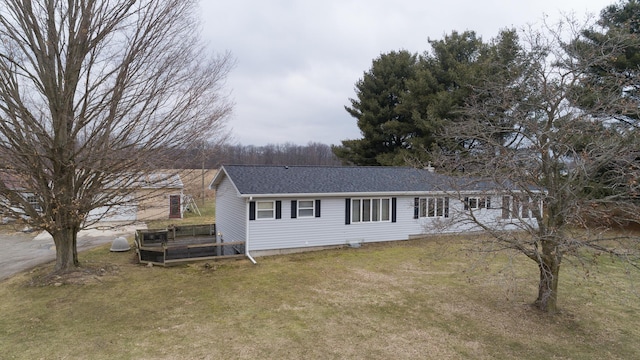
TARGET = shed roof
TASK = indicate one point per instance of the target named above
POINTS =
(12, 180)
(278, 180)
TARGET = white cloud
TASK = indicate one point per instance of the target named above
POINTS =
(298, 61)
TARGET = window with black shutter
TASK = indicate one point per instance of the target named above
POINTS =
(347, 211)
(252, 210)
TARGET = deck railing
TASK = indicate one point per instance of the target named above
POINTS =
(178, 244)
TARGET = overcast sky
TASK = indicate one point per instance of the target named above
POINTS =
(298, 60)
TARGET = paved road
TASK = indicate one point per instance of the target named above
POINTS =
(22, 251)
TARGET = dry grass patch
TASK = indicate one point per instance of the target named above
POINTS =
(207, 216)
(430, 299)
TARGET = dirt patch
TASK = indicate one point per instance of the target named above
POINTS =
(84, 275)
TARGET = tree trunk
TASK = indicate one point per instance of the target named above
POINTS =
(547, 300)
(66, 249)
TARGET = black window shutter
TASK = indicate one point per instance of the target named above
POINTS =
(252, 210)
(278, 209)
(317, 208)
(294, 209)
(466, 203)
(446, 207)
(416, 207)
(393, 209)
(347, 211)
(488, 202)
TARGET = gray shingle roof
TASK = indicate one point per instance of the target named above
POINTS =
(263, 179)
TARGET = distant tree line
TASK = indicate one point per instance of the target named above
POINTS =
(212, 156)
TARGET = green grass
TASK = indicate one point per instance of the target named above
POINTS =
(429, 299)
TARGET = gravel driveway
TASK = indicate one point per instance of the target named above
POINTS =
(22, 251)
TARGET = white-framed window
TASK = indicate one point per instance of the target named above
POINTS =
(306, 208)
(265, 210)
(33, 201)
(506, 207)
(370, 210)
(433, 207)
(477, 202)
(523, 207)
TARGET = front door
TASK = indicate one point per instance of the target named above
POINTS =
(174, 207)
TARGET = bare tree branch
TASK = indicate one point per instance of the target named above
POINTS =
(93, 96)
(532, 131)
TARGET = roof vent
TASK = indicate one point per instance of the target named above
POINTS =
(120, 244)
(286, 166)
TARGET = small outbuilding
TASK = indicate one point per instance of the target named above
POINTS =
(155, 196)
(152, 196)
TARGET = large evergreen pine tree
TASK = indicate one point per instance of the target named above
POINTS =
(609, 91)
(383, 116)
(404, 100)
(618, 32)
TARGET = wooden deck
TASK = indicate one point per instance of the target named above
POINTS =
(180, 244)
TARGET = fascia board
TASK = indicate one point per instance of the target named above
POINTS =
(218, 179)
(342, 195)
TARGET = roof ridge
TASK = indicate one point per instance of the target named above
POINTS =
(324, 166)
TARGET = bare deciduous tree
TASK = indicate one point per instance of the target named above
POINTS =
(526, 133)
(94, 94)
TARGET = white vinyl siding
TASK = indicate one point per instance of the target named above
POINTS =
(231, 212)
(232, 220)
(330, 229)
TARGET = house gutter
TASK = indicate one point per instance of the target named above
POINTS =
(249, 197)
(246, 232)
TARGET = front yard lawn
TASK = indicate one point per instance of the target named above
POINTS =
(430, 299)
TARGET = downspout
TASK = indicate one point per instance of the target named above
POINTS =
(251, 258)
(246, 233)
